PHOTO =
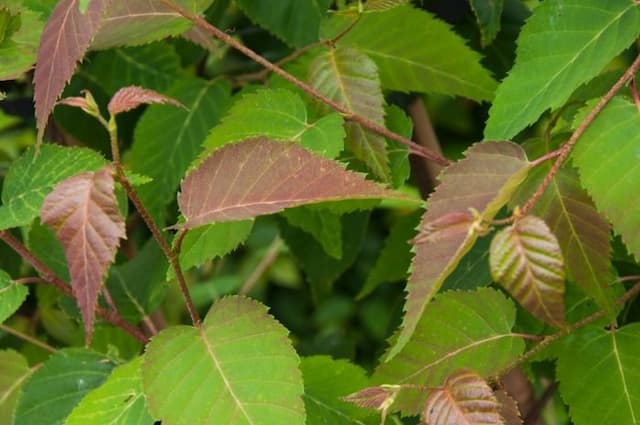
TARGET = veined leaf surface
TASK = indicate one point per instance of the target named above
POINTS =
(128, 98)
(14, 371)
(260, 176)
(18, 52)
(12, 296)
(240, 354)
(484, 180)
(585, 34)
(488, 14)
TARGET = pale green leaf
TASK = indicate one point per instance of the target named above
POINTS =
(118, 401)
(607, 159)
(479, 184)
(459, 330)
(382, 5)
(12, 296)
(327, 380)
(598, 374)
(350, 78)
(525, 258)
(31, 178)
(55, 389)
(564, 44)
(280, 115)
(297, 22)
(167, 139)
(243, 358)
(415, 51)
(18, 50)
(14, 371)
(324, 225)
(488, 14)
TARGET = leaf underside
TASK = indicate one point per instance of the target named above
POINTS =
(128, 98)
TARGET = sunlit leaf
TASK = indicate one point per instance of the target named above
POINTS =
(18, 50)
(598, 372)
(444, 235)
(464, 398)
(12, 296)
(459, 330)
(243, 358)
(118, 401)
(63, 43)
(83, 211)
(382, 5)
(72, 373)
(526, 259)
(131, 97)
(14, 371)
(488, 14)
(260, 176)
(585, 34)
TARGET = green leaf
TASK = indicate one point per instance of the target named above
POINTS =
(240, 354)
(296, 22)
(31, 178)
(488, 14)
(119, 401)
(459, 330)
(564, 44)
(447, 66)
(42, 241)
(445, 234)
(473, 269)
(327, 380)
(168, 139)
(398, 122)
(324, 225)
(611, 175)
(350, 78)
(526, 260)
(582, 232)
(12, 296)
(18, 50)
(56, 388)
(599, 368)
(14, 371)
(280, 115)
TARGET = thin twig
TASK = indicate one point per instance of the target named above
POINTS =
(346, 113)
(546, 157)
(28, 280)
(579, 131)
(268, 259)
(23, 336)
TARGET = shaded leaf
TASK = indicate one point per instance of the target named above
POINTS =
(604, 362)
(448, 66)
(128, 98)
(84, 213)
(400, 123)
(31, 177)
(274, 176)
(585, 34)
(350, 78)
(525, 258)
(488, 14)
(473, 269)
(18, 49)
(73, 373)
(118, 401)
(297, 22)
(611, 175)
(445, 236)
(324, 225)
(63, 43)
(465, 398)
(325, 381)
(459, 330)
(508, 408)
(14, 371)
(240, 354)
(12, 296)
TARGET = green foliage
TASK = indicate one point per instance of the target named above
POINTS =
(12, 295)
(14, 371)
(488, 14)
(19, 42)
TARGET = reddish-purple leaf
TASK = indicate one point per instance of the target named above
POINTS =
(465, 399)
(259, 176)
(380, 398)
(86, 103)
(64, 42)
(131, 97)
(83, 211)
(508, 408)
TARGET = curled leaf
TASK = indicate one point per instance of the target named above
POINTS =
(380, 398)
(128, 98)
(525, 258)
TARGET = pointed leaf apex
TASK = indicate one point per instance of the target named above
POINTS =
(128, 98)
(87, 103)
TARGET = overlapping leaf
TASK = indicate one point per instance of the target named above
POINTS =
(63, 43)
(73, 373)
(611, 175)
(350, 78)
(606, 363)
(488, 14)
(465, 398)
(296, 22)
(14, 371)
(585, 36)
(31, 177)
(324, 225)
(260, 176)
(128, 98)
(483, 181)
(83, 211)
(18, 49)
(243, 358)
(526, 259)
(119, 401)
(459, 330)
(409, 59)
(382, 5)
(11, 296)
